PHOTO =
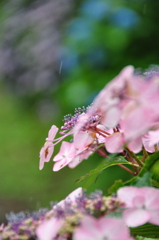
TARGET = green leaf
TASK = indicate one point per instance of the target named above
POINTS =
(149, 164)
(147, 230)
(114, 214)
(117, 184)
(155, 183)
(149, 174)
(143, 238)
(155, 171)
(145, 180)
(108, 162)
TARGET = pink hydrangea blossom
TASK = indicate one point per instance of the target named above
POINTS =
(142, 205)
(48, 229)
(102, 228)
(123, 118)
(126, 101)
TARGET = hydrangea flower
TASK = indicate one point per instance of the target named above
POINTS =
(114, 123)
(102, 228)
(142, 205)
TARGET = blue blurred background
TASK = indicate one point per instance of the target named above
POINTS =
(56, 55)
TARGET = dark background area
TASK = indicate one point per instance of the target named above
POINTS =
(56, 55)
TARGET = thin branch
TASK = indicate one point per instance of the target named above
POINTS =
(127, 169)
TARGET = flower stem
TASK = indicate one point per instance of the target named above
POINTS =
(136, 158)
(132, 160)
(156, 147)
(145, 154)
(127, 169)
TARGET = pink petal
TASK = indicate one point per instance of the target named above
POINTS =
(71, 197)
(153, 137)
(75, 162)
(67, 151)
(151, 196)
(154, 217)
(75, 194)
(46, 153)
(114, 228)
(102, 228)
(127, 195)
(52, 133)
(83, 139)
(60, 164)
(65, 156)
(48, 148)
(87, 230)
(111, 118)
(146, 143)
(136, 124)
(114, 143)
(135, 145)
(81, 155)
(138, 201)
(49, 229)
(136, 217)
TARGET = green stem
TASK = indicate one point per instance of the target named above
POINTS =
(145, 154)
(156, 147)
(132, 160)
(136, 158)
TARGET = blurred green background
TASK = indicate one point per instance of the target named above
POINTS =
(56, 55)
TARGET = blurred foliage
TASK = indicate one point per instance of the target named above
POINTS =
(56, 55)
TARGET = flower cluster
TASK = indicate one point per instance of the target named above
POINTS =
(61, 220)
(89, 217)
(123, 118)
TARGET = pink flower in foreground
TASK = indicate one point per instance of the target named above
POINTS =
(142, 205)
(48, 148)
(48, 230)
(102, 228)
